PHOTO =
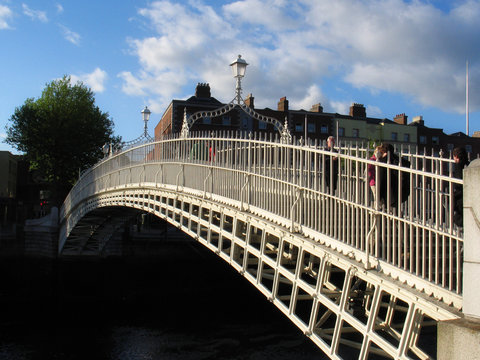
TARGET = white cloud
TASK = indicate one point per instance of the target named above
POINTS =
(313, 96)
(299, 49)
(35, 14)
(273, 15)
(95, 80)
(70, 35)
(373, 111)
(341, 107)
(132, 85)
(5, 14)
(59, 8)
(410, 48)
(190, 41)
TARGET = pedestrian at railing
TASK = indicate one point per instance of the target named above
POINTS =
(331, 166)
(461, 161)
(371, 171)
(393, 184)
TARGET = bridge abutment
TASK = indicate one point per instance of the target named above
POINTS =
(458, 339)
(471, 255)
(41, 236)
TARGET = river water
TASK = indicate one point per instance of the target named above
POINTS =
(182, 303)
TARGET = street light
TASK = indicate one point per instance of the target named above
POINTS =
(144, 137)
(239, 67)
(145, 116)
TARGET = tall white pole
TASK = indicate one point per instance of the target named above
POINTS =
(305, 129)
(466, 98)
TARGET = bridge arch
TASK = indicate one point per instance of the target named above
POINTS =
(321, 285)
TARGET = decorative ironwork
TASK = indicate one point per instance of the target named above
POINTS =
(188, 121)
(239, 67)
(145, 137)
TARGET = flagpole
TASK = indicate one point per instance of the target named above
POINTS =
(466, 99)
(305, 129)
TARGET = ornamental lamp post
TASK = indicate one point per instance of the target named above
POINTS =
(239, 67)
(146, 116)
(144, 137)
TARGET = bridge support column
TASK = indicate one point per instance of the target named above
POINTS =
(471, 246)
(460, 338)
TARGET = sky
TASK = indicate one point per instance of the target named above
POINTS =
(393, 56)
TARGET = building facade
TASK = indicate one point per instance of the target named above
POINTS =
(433, 141)
(172, 119)
(315, 125)
(8, 187)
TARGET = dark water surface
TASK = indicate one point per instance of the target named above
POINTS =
(184, 303)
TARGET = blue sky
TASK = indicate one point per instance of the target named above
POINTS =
(393, 56)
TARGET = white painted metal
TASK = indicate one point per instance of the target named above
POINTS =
(264, 207)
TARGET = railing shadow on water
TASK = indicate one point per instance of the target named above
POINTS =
(300, 186)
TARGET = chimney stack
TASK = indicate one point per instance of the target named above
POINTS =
(317, 108)
(249, 101)
(358, 110)
(418, 120)
(401, 119)
(202, 91)
(283, 104)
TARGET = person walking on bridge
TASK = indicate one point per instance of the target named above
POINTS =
(391, 193)
(331, 166)
(461, 161)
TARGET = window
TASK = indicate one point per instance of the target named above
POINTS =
(355, 133)
(298, 127)
(435, 140)
(262, 125)
(468, 148)
(226, 120)
(324, 129)
(394, 136)
(341, 131)
(207, 120)
(423, 139)
(246, 123)
(450, 147)
(406, 137)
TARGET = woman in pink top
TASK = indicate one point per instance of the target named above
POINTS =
(371, 170)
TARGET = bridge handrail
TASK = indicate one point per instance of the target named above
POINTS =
(416, 235)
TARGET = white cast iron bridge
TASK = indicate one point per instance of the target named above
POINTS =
(359, 279)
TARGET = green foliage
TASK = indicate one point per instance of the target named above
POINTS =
(61, 132)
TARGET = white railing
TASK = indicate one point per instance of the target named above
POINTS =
(285, 182)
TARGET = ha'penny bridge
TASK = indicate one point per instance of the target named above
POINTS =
(360, 279)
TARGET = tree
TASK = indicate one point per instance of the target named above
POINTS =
(60, 133)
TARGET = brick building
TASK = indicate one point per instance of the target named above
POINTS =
(432, 141)
(172, 119)
(315, 124)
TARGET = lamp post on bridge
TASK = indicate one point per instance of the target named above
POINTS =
(239, 67)
(145, 137)
(145, 116)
